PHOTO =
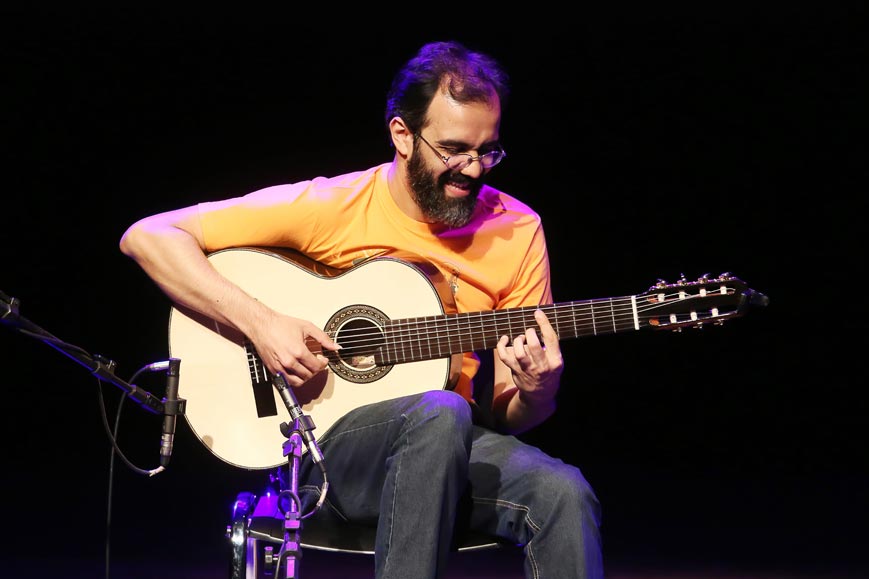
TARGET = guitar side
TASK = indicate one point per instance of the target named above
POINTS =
(238, 417)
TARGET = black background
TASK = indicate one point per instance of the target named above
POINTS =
(653, 143)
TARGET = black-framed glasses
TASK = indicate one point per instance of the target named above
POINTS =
(460, 161)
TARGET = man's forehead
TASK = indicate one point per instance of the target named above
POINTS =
(446, 113)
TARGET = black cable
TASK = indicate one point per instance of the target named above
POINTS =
(111, 484)
(109, 432)
(112, 432)
(324, 490)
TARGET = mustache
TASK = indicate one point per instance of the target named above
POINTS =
(462, 179)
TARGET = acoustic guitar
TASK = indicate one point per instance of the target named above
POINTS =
(389, 316)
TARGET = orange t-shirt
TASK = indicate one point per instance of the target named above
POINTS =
(498, 260)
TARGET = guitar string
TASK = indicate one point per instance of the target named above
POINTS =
(579, 315)
(525, 315)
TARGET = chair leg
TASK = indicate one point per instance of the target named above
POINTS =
(260, 559)
(253, 553)
(237, 533)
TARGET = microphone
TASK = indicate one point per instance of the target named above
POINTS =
(306, 424)
(157, 366)
(170, 411)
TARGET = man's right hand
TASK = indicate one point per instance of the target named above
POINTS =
(283, 343)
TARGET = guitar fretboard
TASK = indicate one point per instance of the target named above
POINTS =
(430, 337)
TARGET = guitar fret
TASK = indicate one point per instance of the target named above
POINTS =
(398, 343)
(589, 315)
(573, 321)
(406, 345)
(418, 334)
(424, 332)
(496, 330)
(441, 334)
(528, 320)
(406, 341)
(475, 321)
(593, 324)
(388, 341)
(510, 330)
(555, 318)
(466, 335)
(521, 323)
(456, 342)
(596, 307)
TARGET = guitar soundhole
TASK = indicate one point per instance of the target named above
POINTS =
(359, 331)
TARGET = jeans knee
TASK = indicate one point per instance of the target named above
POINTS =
(442, 416)
(585, 498)
(569, 492)
(448, 409)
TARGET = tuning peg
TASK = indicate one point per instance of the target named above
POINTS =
(704, 277)
(725, 276)
(660, 283)
(682, 279)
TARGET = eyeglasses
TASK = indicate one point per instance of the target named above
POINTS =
(460, 161)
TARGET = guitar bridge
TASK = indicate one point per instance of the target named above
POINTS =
(261, 383)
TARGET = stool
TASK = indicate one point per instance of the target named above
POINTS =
(256, 535)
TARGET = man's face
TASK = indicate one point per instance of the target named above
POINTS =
(444, 195)
(428, 178)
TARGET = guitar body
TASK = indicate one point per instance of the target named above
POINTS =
(232, 407)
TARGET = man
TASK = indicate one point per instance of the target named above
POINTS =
(406, 464)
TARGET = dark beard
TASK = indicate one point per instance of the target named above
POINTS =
(429, 195)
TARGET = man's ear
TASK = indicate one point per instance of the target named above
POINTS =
(402, 138)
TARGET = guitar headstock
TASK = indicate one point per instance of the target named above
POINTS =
(706, 300)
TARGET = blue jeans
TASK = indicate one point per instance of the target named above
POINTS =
(408, 465)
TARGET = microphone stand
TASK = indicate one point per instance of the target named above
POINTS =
(102, 368)
(297, 434)
(99, 366)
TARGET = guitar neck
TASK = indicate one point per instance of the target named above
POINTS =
(430, 337)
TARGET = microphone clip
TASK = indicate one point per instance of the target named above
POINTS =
(303, 423)
(174, 407)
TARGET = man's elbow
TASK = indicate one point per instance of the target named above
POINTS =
(130, 239)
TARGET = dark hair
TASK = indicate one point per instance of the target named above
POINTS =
(467, 75)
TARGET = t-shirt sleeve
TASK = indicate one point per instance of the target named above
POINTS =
(532, 283)
(270, 217)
